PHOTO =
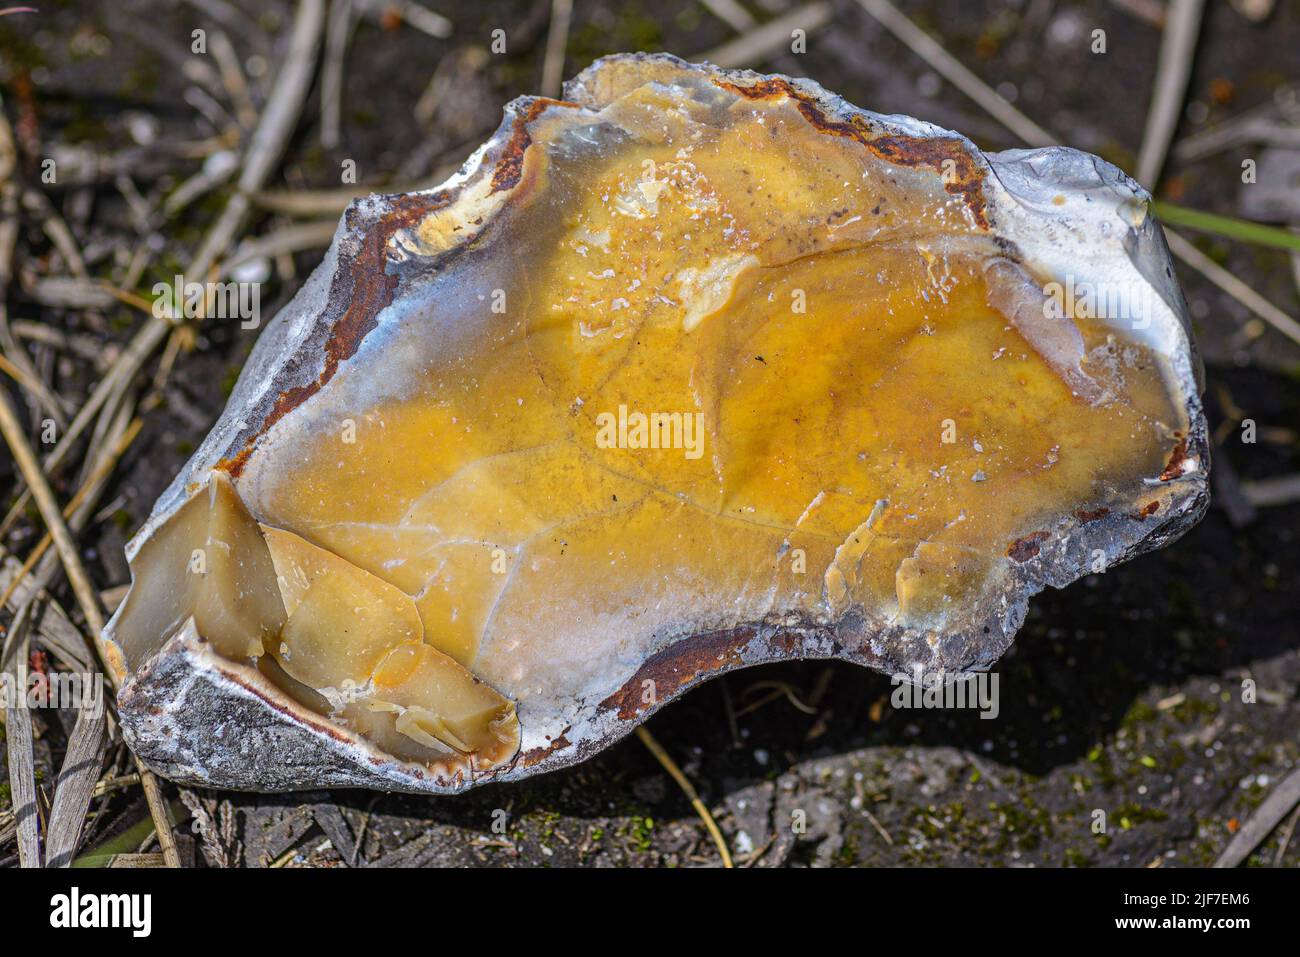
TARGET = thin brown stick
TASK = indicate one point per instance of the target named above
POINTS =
(323, 202)
(82, 346)
(688, 789)
(1001, 110)
(952, 70)
(278, 119)
(158, 811)
(1283, 798)
(731, 13)
(85, 746)
(101, 472)
(76, 786)
(1285, 840)
(232, 78)
(1173, 69)
(338, 33)
(268, 142)
(418, 16)
(1233, 286)
(290, 239)
(58, 232)
(756, 45)
(55, 630)
(87, 597)
(557, 41)
(44, 397)
(1278, 490)
(91, 734)
(22, 770)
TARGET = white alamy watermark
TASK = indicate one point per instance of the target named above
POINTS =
(1118, 301)
(24, 688)
(75, 909)
(653, 430)
(936, 690)
(203, 300)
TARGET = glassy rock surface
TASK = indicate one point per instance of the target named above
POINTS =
(691, 370)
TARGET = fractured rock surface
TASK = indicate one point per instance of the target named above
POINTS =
(691, 370)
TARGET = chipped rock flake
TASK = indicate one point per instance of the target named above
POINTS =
(457, 523)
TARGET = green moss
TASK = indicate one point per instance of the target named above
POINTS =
(1195, 710)
(847, 855)
(1076, 858)
(641, 833)
(1140, 713)
(1022, 824)
(1129, 815)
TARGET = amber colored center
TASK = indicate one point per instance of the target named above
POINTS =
(727, 370)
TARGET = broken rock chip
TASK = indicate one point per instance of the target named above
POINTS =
(691, 370)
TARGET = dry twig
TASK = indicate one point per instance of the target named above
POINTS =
(1261, 824)
(756, 45)
(1177, 50)
(688, 789)
(22, 770)
(952, 70)
(557, 39)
